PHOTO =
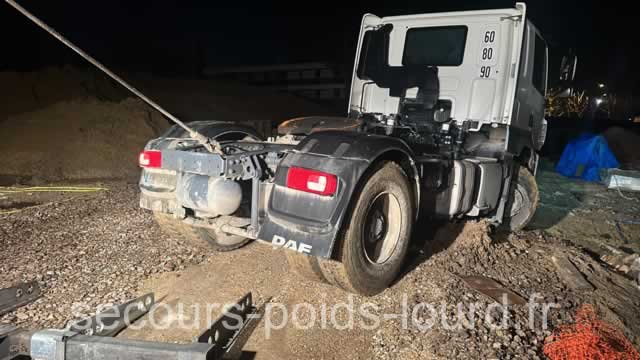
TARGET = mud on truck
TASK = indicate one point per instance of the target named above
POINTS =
(445, 118)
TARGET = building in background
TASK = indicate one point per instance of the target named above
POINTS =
(315, 81)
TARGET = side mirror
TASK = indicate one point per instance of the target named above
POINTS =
(568, 67)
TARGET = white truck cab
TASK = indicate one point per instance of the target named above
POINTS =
(492, 69)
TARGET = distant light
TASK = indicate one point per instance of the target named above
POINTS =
(598, 101)
(601, 85)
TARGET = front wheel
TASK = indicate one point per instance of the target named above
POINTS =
(523, 201)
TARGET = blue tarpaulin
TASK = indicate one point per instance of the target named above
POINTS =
(585, 156)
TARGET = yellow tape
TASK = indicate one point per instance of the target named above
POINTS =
(14, 190)
(17, 190)
(7, 212)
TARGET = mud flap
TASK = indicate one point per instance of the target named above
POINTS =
(310, 223)
(305, 222)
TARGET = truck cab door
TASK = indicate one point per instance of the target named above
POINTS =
(528, 112)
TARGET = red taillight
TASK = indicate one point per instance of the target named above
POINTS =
(312, 181)
(150, 159)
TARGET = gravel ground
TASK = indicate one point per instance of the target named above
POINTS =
(94, 249)
(101, 248)
(520, 262)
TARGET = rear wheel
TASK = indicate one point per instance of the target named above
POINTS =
(375, 237)
(523, 202)
(197, 236)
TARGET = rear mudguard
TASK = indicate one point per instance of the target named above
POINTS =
(310, 223)
(211, 129)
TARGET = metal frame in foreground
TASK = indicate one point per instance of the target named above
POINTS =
(224, 339)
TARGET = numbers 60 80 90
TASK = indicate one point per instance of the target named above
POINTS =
(485, 71)
(489, 37)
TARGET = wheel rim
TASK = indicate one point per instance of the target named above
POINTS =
(381, 228)
(520, 208)
(519, 199)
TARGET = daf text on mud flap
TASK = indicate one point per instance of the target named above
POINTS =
(279, 241)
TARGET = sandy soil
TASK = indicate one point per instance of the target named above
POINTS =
(83, 139)
(68, 123)
(267, 278)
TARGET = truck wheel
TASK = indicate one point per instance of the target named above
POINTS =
(375, 237)
(199, 237)
(523, 201)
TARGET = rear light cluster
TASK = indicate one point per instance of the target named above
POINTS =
(312, 181)
(150, 159)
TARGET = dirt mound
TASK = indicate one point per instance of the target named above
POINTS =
(189, 99)
(71, 123)
(80, 139)
(30, 91)
(474, 236)
(625, 144)
(469, 241)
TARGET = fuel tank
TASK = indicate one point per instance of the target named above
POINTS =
(211, 195)
(468, 187)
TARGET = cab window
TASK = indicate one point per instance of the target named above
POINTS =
(540, 65)
(435, 46)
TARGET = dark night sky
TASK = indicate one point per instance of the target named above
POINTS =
(170, 36)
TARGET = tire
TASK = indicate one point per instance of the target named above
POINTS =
(199, 237)
(523, 201)
(375, 236)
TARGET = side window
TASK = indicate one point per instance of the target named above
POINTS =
(364, 62)
(539, 65)
(435, 46)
